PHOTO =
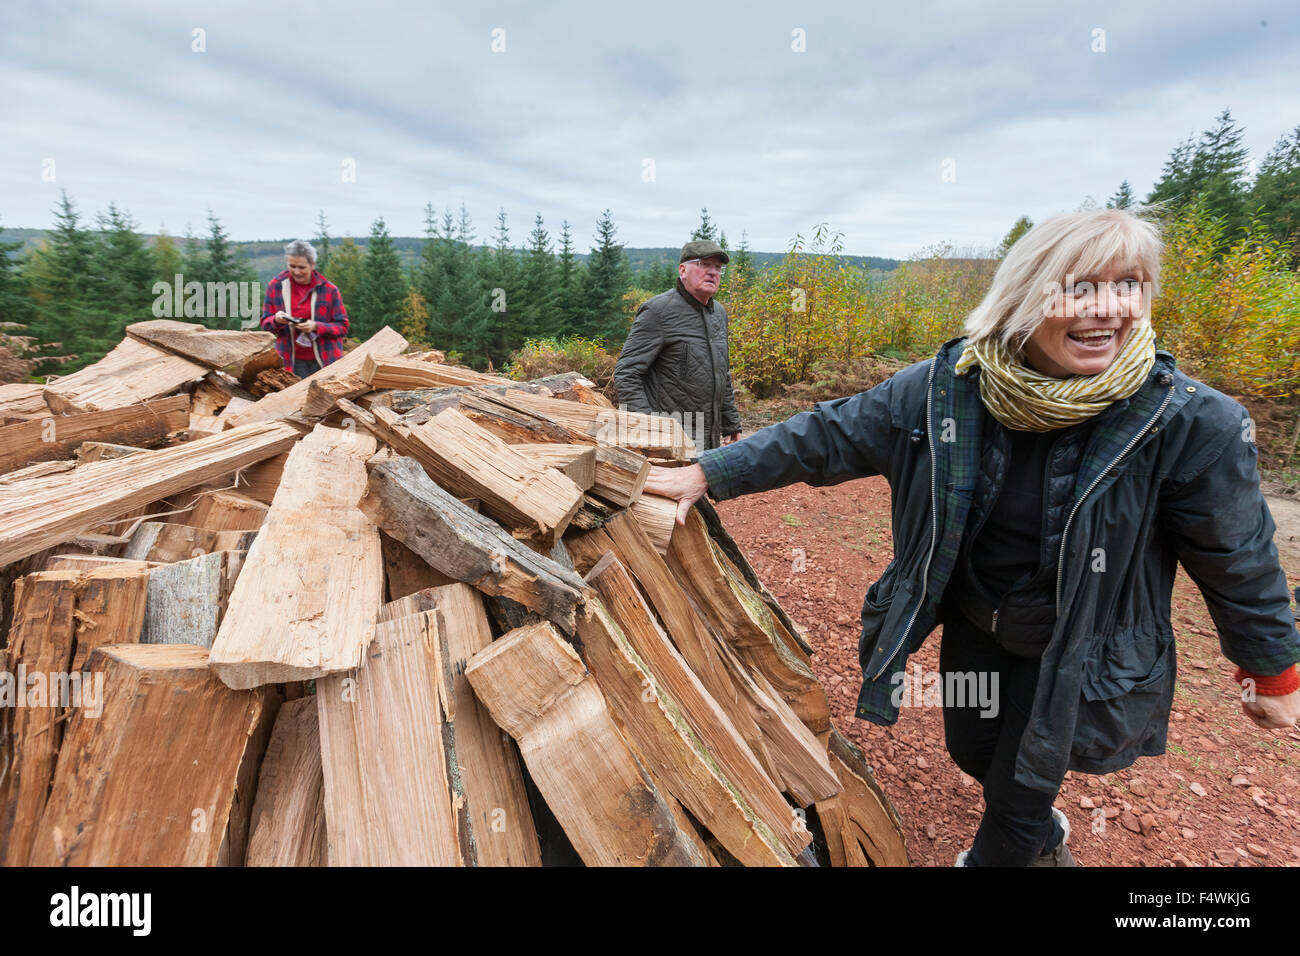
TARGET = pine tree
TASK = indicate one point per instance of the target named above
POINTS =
(568, 287)
(383, 285)
(499, 270)
(430, 276)
(59, 276)
(608, 276)
(1123, 197)
(15, 304)
(706, 229)
(121, 274)
(538, 287)
(1018, 229)
(1275, 196)
(322, 243)
(348, 265)
(1213, 167)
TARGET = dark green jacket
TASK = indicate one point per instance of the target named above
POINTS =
(1166, 476)
(676, 362)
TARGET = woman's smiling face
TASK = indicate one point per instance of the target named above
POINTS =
(1087, 323)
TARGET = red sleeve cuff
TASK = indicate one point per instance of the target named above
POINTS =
(1278, 685)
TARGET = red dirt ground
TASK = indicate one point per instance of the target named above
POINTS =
(1227, 793)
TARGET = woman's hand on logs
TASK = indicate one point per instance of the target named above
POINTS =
(687, 485)
(1273, 712)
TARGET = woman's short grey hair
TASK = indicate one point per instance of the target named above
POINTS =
(1030, 281)
(301, 247)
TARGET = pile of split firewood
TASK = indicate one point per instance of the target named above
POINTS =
(399, 612)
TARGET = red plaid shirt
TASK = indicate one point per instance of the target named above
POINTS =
(331, 319)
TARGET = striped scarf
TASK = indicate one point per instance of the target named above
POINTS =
(1029, 401)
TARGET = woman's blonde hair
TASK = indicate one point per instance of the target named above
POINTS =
(1081, 245)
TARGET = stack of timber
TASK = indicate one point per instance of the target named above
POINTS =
(395, 613)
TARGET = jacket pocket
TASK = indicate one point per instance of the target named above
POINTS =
(887, 602)
(1126, 697)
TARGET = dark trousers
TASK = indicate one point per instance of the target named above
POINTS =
(304, 367)
(1018, 823)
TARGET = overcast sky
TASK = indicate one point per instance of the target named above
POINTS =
(902, 125)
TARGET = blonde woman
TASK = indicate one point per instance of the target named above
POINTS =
(1048, 471)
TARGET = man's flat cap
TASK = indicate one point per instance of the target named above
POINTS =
(703, 249)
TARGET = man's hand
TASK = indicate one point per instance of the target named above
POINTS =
(728, 439)
(281, 318)
(687, 485)
(1271, 713)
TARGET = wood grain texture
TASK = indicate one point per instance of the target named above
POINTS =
(535, 501)
(131, 374)
(389, 791)
(53, 437)
(313, 579)
(70, 504)
(493, 782)
(288, 822)
(241, 353)
(150, 781)
(538, 690)
(405, 502)
(861, 826)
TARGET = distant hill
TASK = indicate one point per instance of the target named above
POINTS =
(267, 255)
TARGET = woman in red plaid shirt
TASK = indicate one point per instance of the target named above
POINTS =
(310, 328)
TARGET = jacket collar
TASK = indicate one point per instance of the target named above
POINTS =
(691, 300)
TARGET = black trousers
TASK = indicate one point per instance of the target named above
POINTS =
(304, 367)
(1018, 824)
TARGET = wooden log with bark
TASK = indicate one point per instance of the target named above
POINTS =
(53, 437)
(405, 502)
(132, 373)
(239, 353)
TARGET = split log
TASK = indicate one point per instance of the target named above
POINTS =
(288, 823)
(688, 744)
(394, 371)
(494, 786)
(20, 401)
(173, 767)
(187, 599)
(537, 689)
(91, 562)
(234, 848)
(593, 514)
(656, 436)
(739, 615)
(57, 436)
(272, 380)
(576, 461)
(133, 373)
(625, 538)
(620, 474)
(535, 501)
(414, 603)
(405, 572)
(238, 353)
(228, 511)
(323, 395)
(290, 401)
(112, 602)
(165, 542)
(40, 645)
(657, 516)
(89, 451)
(73, 503)
(314, 576)
(404, 501)
(384, 732)
(861, 826)
(260, 480)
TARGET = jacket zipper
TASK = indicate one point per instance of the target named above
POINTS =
(934, 519)
(1060, 561)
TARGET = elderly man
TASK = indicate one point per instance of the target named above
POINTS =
(305, 311)
(675, 360)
